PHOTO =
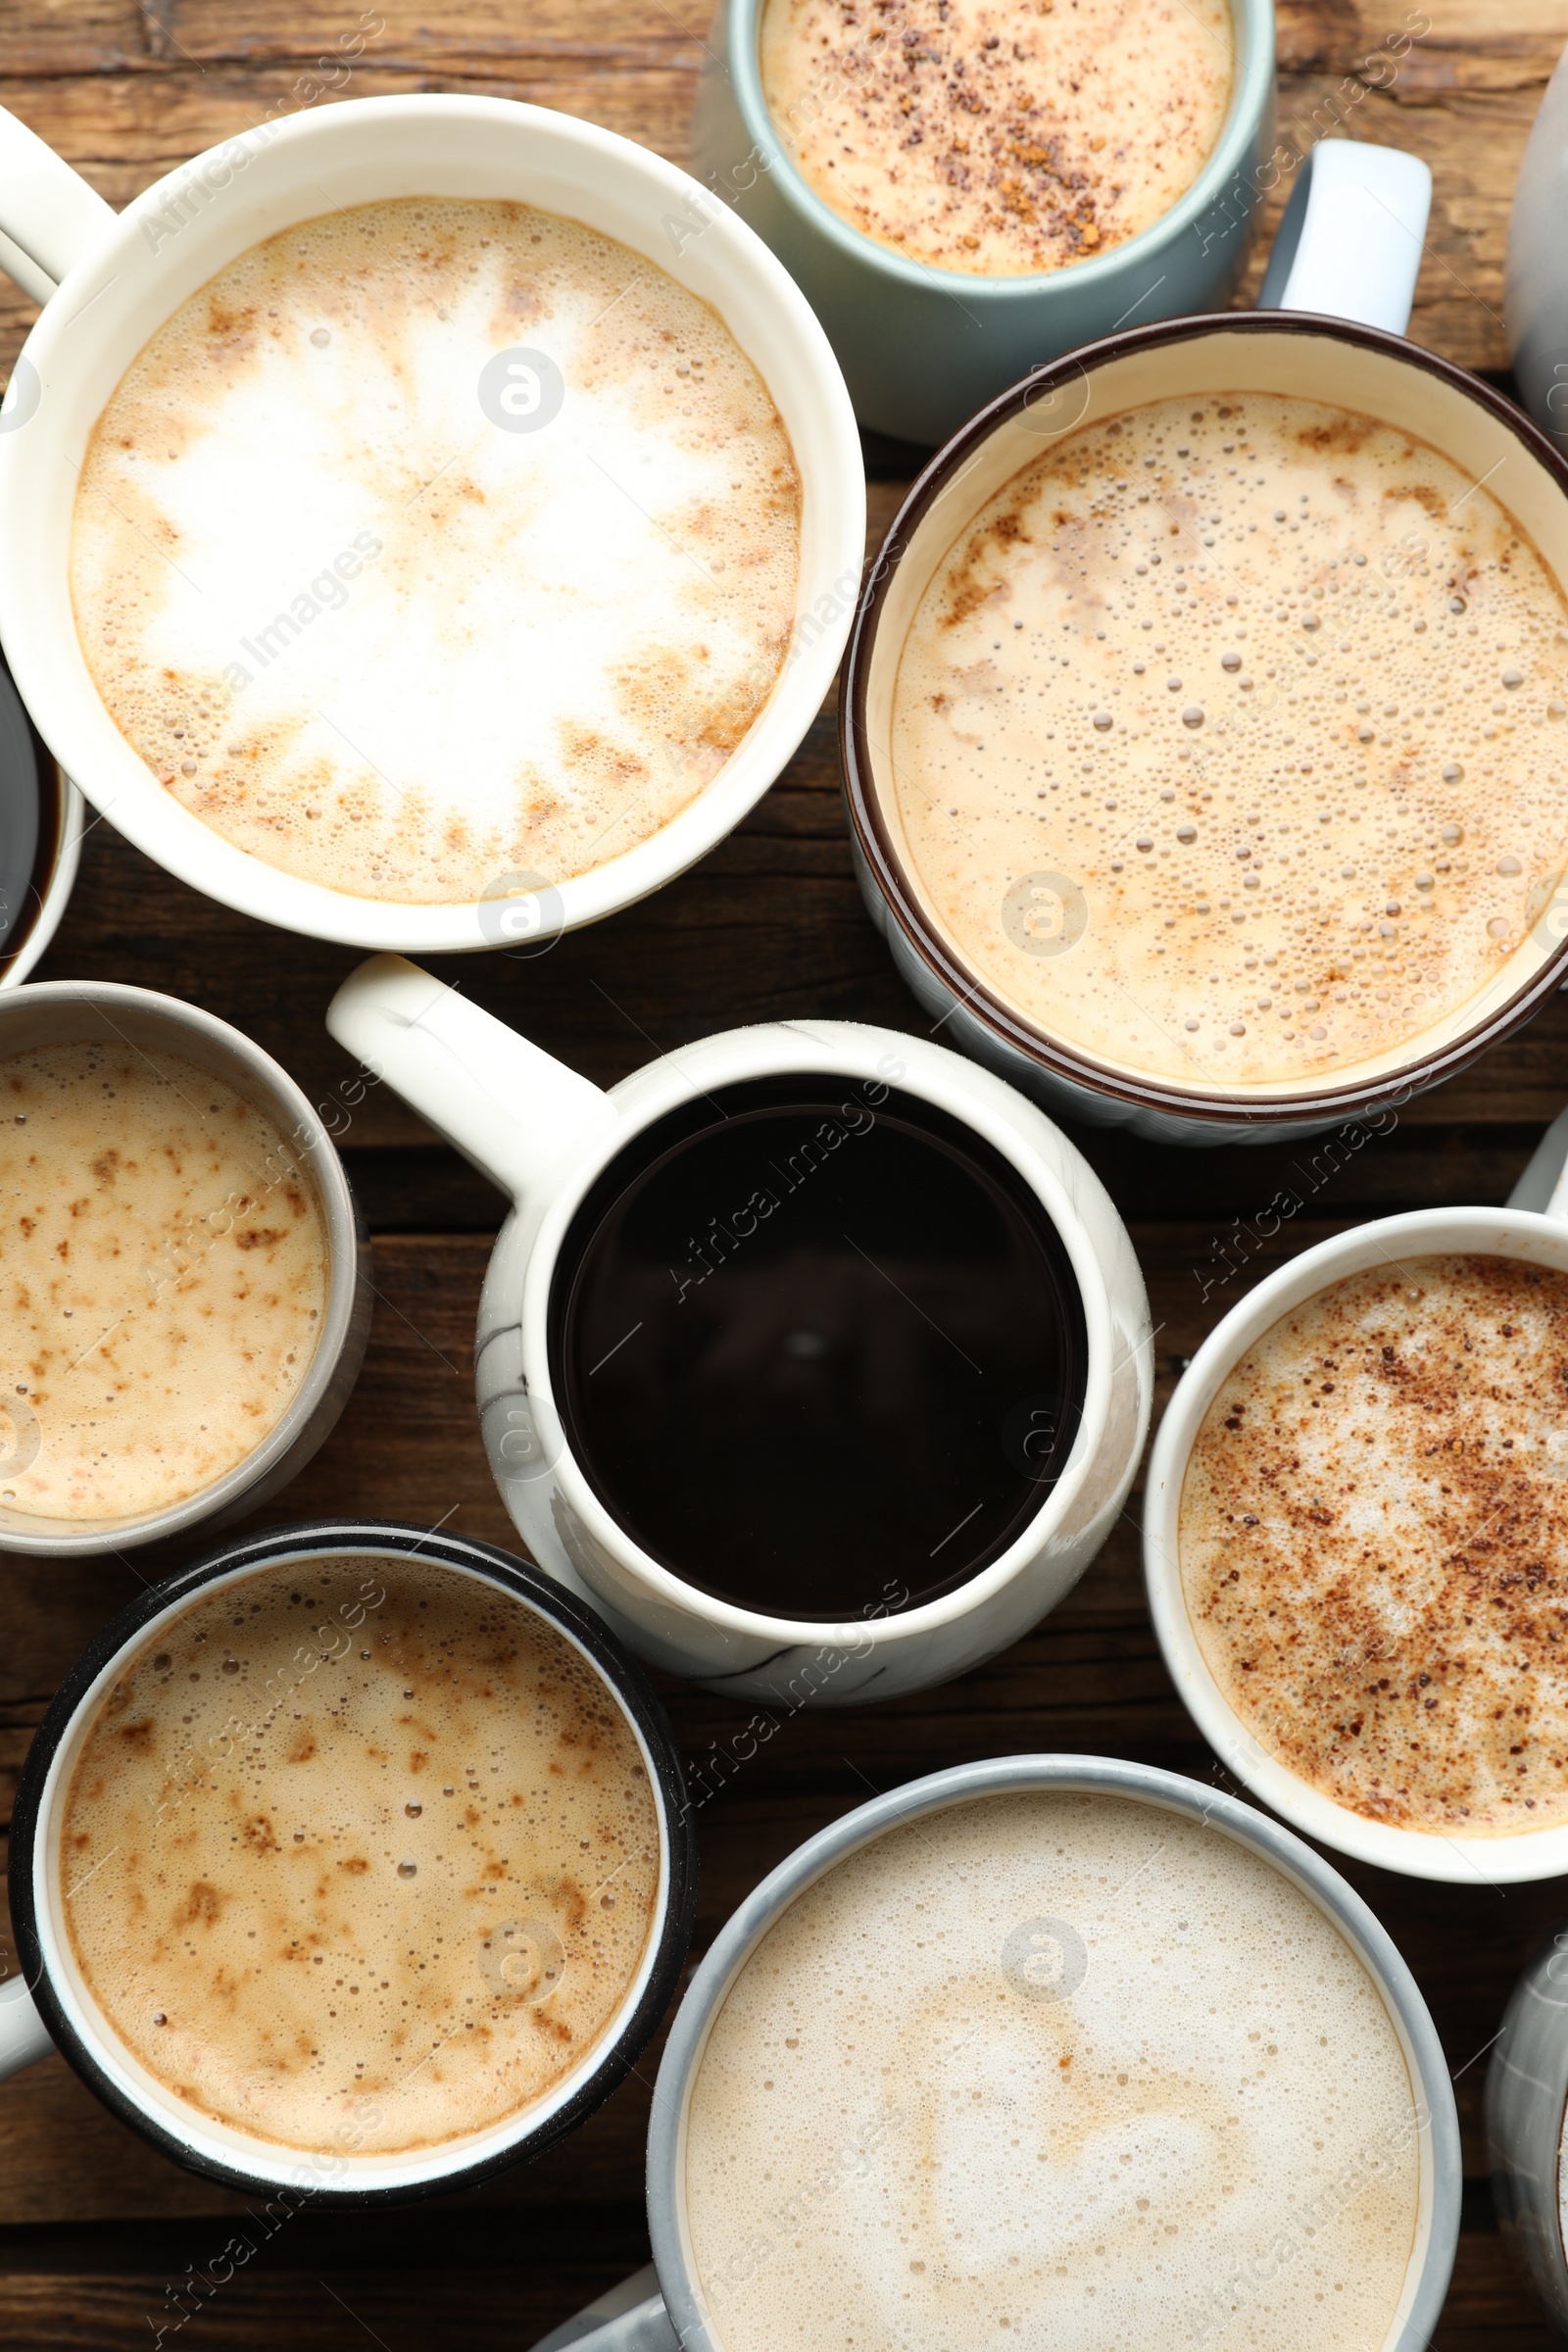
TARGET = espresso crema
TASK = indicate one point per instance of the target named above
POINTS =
(1000, 138)
(1373, 1541)
(1227, 743)
(435, 542)
(1052, 2070)
(166, 1272)
(360, 1854)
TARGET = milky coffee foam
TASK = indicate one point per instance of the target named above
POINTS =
(1052, 2070)
(434, 541)
(166, 1267)
(360, 1854)
(999, 136)
(1228, 742)
(1373, 1532)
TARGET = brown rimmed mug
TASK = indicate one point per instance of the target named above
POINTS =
(1288, 349)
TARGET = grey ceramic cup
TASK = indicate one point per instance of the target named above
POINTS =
(1527, 2097)
(78, 1011)
(1536, 281)
(921, 348)
(671, 2313)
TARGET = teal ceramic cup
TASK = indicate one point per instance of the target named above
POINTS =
(921, 348)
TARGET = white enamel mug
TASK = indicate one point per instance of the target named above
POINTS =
(543, 1135)
(1534, 1229)
(108, 282)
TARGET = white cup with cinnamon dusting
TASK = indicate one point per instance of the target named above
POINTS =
(1356, 1535)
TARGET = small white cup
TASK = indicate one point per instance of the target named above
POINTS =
(1534, 1229)
(542, 1134)
(108, 282)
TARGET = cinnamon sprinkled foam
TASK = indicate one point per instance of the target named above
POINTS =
(1228, 743)
(999, 138)
(1373, 1540)
(1051, 2070)
(364, 617)
(360, 1854)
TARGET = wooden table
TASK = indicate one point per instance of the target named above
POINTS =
(95, 2229)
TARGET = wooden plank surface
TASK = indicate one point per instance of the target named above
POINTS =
(96, 2232)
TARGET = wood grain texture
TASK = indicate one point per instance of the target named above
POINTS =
(97, 2232)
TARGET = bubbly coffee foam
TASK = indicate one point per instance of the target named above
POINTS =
(1374, 1544)
(360, 1854)
(999, 136)
(1228, 742)
(437, 541)
(1051, 2070)
(166, 1266)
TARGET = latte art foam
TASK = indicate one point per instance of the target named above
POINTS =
(360, 1853)
(401, 624)
(1228, 743)
(1051, 2070)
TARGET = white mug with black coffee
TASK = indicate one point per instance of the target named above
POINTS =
(811, 1354)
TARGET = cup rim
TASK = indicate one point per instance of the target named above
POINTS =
(613, 2060)
(1220, 1111)
(665, 1084)
(1251, 93)
(1270, 1840)
(1512, 1858)
(339, 1339)
(194, 851)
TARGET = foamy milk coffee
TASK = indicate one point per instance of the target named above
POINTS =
(164, 1274)
(1227, 743)
(433, 541)
(360, 1846)
(1372, 1537)
(1000, 138)
(1064, 2070)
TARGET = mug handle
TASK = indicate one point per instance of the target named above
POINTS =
(1544, 1185)
(509, 1108)
(1349, 244)
(630, 2318)
(24, 2038)
(50, 218)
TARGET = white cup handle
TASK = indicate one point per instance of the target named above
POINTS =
(1544, 1185)
(630, 2318)
(1349, 244)
(24, 2035)
(49, 216)
(506, 1106)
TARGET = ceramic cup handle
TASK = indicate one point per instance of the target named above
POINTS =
(631, 2317)
(1349, 244)
(1544, 1185)
(506, 1106)
(24, 2035)
(49, 216)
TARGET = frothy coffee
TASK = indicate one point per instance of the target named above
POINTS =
(1052, 2069)
(1227, 743)
(437, 541)
(999, 136)
(359, 1852)
(166, 1268)
(1373, 1528)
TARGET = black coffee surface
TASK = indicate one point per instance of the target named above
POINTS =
(817, 1347)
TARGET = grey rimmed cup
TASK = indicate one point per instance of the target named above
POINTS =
(922, 348)
(1527, 2100)
(59, 1012)
(670, 2310)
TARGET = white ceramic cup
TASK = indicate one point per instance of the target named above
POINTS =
(1534, 1229)
(664, 2309)
(108, 282)
(542, 1134)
